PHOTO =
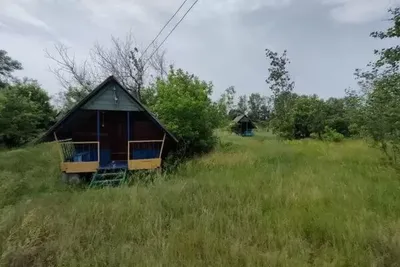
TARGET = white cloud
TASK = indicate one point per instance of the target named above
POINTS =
(17, 12)
(229, 7)
(359, 11)
(105, 11)
(108, 14)
(145, 11)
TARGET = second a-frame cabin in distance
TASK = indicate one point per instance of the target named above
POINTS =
(110, 129)
(242, 125)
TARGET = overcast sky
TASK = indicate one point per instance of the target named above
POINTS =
(222, 41)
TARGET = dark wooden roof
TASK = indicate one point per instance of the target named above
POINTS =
(239, 118)
(90, 96)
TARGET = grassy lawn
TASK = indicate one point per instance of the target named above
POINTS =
(253, 202)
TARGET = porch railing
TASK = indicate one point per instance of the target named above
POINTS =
(145, 149)
(79, 151)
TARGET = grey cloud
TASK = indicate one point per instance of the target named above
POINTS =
(220, 41)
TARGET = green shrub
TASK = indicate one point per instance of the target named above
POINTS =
(224, 146)
(25, 111)
(263, 125)
(355, 130)
(184, 105)
(314, 136)
(233, 127)
(331, 135)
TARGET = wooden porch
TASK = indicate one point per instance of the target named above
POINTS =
(87, 157)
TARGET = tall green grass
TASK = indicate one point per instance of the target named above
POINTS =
(253, 202)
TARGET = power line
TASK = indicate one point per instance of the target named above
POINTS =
(177, 24)
(173, 16)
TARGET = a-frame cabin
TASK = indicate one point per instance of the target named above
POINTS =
(242, 125)
(109, 129)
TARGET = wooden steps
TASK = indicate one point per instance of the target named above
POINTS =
(115, 177)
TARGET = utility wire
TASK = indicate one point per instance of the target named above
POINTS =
(177, 24)
(173, 16)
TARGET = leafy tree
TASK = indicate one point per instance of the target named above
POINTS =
(265, 112)
(318, 115)
(183, 103)
(230, 94)
(242, 104)
(257, 105)
(300, 116)
(7, 67)
(332, 135)
(389, 57)
(381, 92)
(25, 111)
(282, 117)
(355, 112)
(336, 118)
(226, 102)
(308, 116)
(281, 86)
(279, 78)
(318, 122)
(149, 96)
(383, 115)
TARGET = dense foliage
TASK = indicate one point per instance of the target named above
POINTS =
(25, 111)
(7, 67)
(374, 112)
(382, 115)
(255, 106)
(296, 116)
(182, 102)
(381, 84)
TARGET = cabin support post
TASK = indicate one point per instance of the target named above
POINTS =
(98, 125)
(98, 136)
(129, 125)
(128, 118)
(59, 147)
(162, 145)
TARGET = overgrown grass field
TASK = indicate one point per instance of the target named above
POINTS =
(253, 202)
